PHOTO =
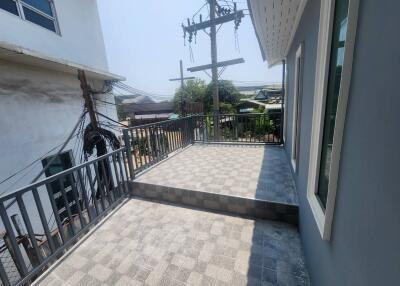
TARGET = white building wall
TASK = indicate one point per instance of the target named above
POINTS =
(38, 110)
(81, 40)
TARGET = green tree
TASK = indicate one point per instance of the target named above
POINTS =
(194, 91)
(197, 91)
(229, 96)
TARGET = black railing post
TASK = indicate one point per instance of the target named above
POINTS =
(128, 153)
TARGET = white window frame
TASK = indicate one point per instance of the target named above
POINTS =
(296, 111)
(323, 217)
(20, 7)
(285, 89)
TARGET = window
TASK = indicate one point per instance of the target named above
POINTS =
(337, 28)
(61, 163)
(9, 5)
(297, 99)
(40, 12)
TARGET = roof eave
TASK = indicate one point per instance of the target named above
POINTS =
(255, 31)
(32, 58)
(277, 59)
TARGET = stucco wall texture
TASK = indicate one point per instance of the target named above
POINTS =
(38, 110)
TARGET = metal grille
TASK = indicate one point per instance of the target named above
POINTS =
(41, 235)
(9, 266)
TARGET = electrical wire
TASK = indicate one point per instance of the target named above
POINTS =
(198, 11)
(106, 117)
(64, 144)
(106, 102)
(126, 87)
(27, 167)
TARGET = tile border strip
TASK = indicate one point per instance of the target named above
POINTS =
(217, 202)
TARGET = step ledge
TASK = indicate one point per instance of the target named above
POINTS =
(241, 206)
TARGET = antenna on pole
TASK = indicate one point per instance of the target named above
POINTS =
(182, 80)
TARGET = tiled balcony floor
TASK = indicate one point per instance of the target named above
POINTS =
(251, 171)
(146, 243)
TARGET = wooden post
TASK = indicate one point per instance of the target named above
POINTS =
(88, 99)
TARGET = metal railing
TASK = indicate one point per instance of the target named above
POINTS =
(151, 143)
(244, 128)
(55, 212)
(42, 220)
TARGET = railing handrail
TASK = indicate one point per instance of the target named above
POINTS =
(54, 177)
(159, 122)
(195, 115)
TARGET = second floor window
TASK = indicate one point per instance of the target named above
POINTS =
(40, 12)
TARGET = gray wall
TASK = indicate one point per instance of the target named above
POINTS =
(365, 244)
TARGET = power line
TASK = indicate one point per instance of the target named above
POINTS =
(62, 147)
(64, 144)
(28, 166)
(138, 92)
(106, 102)
(106, 117)
(198, 11)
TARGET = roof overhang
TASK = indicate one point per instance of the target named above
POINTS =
(17, 54)
(275, 23)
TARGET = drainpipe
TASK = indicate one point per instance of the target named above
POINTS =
(282, 101)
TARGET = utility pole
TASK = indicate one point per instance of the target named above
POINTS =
(182, 80)
(214, 69)
(88, 99)
(224, 15)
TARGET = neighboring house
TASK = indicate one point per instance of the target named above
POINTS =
(43, 44)
(249, 91)
(140, 99)
(143, 113)
(272, 95)
(250, 105)
(342, 132)
(260, 92)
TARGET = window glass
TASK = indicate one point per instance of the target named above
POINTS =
(335, 71)
(39, 19)
(42, 5)
(9, 5)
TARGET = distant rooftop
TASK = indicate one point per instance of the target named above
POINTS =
(148, 108)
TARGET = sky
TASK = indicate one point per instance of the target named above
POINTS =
(144, 43)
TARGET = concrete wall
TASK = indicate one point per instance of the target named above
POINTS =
(81, 39)
(364, 246)
(38, 110)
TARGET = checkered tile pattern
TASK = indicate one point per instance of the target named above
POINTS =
(218, 202)
(250, 171)
(147, 243)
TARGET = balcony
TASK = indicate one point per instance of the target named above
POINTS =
(252, 180)
(196, 201)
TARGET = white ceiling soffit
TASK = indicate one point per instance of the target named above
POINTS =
(17, 54)
(275, 22)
